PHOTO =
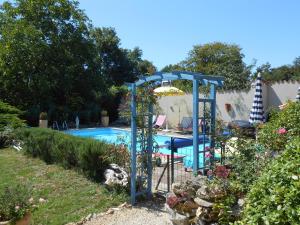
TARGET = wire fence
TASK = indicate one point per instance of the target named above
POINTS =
(170, 168)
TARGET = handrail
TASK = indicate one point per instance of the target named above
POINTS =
(55, 124)
(65, 125)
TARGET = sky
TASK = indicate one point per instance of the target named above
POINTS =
(166, 30)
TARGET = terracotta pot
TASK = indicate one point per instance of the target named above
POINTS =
(43, 123)
(105, 121)
(25, 220)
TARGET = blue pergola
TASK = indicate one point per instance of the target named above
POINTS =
(197, 79)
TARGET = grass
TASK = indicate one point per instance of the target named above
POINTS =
(70, 196)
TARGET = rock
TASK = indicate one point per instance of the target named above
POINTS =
(203, 203)
(202, 192)
(41, 200)
(110, 211)
(115, 209)
(176, 218)
(199, 212)
(115, 175)
(201, 222)
(199, 181)
(31, 200)
(241, 202)
(185, 189)
(88, 217)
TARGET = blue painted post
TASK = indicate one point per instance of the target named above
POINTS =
(149, 152)
(204, 137)
(195, 126)
(213, 116)
(133, 143)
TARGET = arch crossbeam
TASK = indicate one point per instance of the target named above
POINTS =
(181, 75)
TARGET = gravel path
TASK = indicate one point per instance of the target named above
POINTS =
(150, 213)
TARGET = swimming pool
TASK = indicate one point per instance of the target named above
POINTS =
(115, 136)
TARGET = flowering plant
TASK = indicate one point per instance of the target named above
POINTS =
(222, 172)
(14, 202)
(281, 131)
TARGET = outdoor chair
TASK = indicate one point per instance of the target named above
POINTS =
(186, 124)
(161, 119)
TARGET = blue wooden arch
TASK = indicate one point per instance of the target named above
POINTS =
(197, 79)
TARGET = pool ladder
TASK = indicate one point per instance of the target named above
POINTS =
(65, 125)
(55, 126)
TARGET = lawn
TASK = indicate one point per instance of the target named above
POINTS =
(69, 195)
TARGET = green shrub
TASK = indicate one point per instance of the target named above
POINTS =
(247, 163)
(275, 197)
(90, 156)
(9, 120)
(14, 202)
(287, 121)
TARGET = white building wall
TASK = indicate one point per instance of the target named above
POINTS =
(176, 107)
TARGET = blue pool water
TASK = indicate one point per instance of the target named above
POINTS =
(116, 136)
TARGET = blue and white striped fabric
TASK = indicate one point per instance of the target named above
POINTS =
(298, 95)
(257, 111)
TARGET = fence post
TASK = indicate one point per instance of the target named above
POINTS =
(133, 144)
(195, 126)
(149, 150)
(168, 172)
(172, 160)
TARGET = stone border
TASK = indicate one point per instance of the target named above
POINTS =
(93, 216)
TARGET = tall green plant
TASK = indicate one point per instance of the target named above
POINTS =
(9, 120)
(282, 127)
(275, 197)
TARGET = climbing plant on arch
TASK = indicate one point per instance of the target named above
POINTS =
(197, 79)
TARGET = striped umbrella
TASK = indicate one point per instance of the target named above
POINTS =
(298, 95)
(257, 111)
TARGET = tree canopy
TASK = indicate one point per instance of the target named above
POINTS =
(52, 59)
(216, 59)
(281, 73)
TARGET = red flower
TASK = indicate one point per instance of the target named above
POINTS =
(222, 172)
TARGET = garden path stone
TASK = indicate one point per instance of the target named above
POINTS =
(150, 213)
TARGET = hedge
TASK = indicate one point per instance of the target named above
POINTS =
(90, 156)
(275, 197)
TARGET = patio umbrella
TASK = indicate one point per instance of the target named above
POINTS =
(257, 111)
(167, 91)
(298, 95)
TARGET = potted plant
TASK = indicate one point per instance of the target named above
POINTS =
(104, 118)
(43, 123)
(15, 205)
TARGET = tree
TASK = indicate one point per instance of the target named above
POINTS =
(220, 59)
(46, 56)
(281, 73)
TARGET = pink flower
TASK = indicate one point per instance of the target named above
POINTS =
(208, 155)
(209, 173)
(281, 131)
